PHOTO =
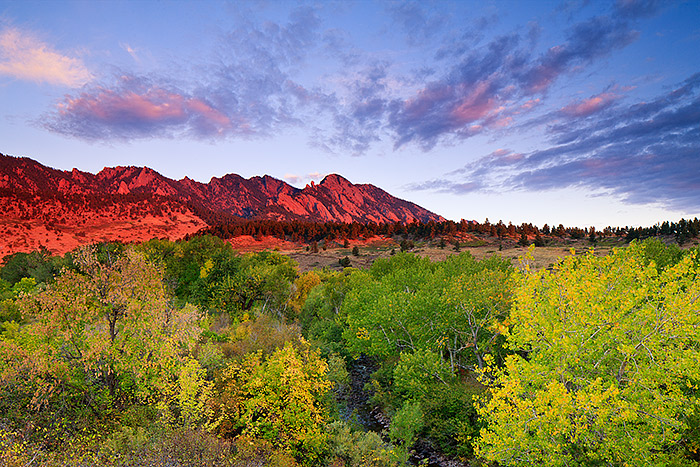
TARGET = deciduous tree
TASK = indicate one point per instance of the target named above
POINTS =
(605, 370)
(103, 337)
(278, 399)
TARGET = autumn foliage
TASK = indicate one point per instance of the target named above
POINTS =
(188, 353)
(605, 365)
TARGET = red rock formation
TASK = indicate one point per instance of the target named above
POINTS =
(335, 199)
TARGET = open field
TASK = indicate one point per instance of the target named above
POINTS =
(370, 250)
(20, 235)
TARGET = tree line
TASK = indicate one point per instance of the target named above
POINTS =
(307, 231)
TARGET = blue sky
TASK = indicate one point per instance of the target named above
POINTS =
(574, 112)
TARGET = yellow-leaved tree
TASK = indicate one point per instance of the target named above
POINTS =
(99, 339)
(278, 399)
(606, 366)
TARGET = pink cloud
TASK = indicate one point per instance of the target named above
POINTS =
(529, 105)
(500, 153)
(462, 109)
(505, 156)
(209, 113)
(301, 179)
(426, 99)
(497, 119)
(147, 108)
(542, 77)
(476, 105)
(293, 179)
(107, 105)
(131, 51)
(25, 57)
(589, 106)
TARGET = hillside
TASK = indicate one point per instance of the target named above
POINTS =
(59, 210)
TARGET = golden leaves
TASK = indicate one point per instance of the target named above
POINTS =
(610, 343)
(278, 399)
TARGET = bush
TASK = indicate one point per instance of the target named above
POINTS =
(278, 399)
(406, 245)
(357, 448)
(451, 421)
(405, 426)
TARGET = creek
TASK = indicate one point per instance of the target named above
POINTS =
(358, 407)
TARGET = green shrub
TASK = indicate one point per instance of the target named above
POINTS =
(351, 448)
(405, 426)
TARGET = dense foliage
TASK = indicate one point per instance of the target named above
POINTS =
(409, 304)
(607, 365)
(191, 354)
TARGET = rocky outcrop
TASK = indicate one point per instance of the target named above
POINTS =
(334, 199)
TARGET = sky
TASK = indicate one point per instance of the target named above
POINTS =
(584, 113)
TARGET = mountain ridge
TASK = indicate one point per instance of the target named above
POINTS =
(61, 209)
(334, 199)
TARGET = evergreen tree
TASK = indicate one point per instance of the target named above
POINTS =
(523, 239)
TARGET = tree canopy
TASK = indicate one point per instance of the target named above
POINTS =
(605, 365)
(408, 303)
(100, 338)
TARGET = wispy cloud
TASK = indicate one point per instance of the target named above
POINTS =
(256, 84)
(24, 56)
(415, 21)
(490, 84)
(247, 92)
(137, 108)
(301, 179)
(637, 8)
(131, 51)
(293, 178)
(587, 40)
(446, 186)
(358, 116)
(645, 152)
(591, 105)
